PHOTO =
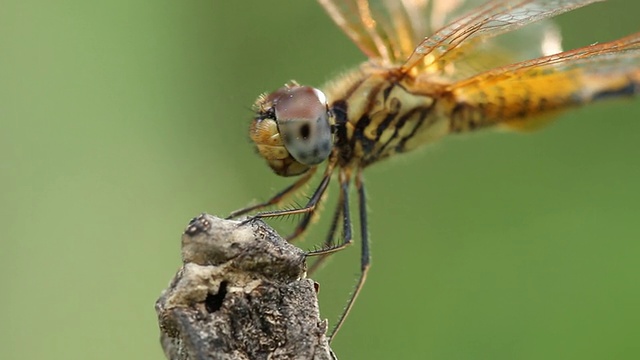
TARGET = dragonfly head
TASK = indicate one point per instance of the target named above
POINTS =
(292, 129)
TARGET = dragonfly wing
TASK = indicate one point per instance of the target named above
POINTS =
(521, 94)
(450, 45)
(388, 30)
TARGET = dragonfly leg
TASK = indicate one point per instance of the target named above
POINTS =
(302, 226)
(329, 241)
(365, 259)
(279, 197)
(308, 208)
(346, 222)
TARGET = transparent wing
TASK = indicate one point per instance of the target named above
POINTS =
(515, 94)
(388, 30)
(454, 41)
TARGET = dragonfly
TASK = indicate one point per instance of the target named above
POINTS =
(434, 68)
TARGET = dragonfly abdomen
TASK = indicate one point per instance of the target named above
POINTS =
(525, 103)
(603, 87)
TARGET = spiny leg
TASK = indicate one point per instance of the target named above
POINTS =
(279, 197)
(300, 228)
(346, 223)
(329, 241)
(365, 258)
(304, 223)
(311, 204)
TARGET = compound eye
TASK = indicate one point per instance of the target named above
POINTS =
(303, 123)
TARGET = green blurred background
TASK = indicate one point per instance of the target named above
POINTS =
(121, 120)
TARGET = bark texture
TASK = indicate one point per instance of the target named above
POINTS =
(241, 294)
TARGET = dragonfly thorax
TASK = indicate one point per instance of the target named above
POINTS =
(292, 129)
